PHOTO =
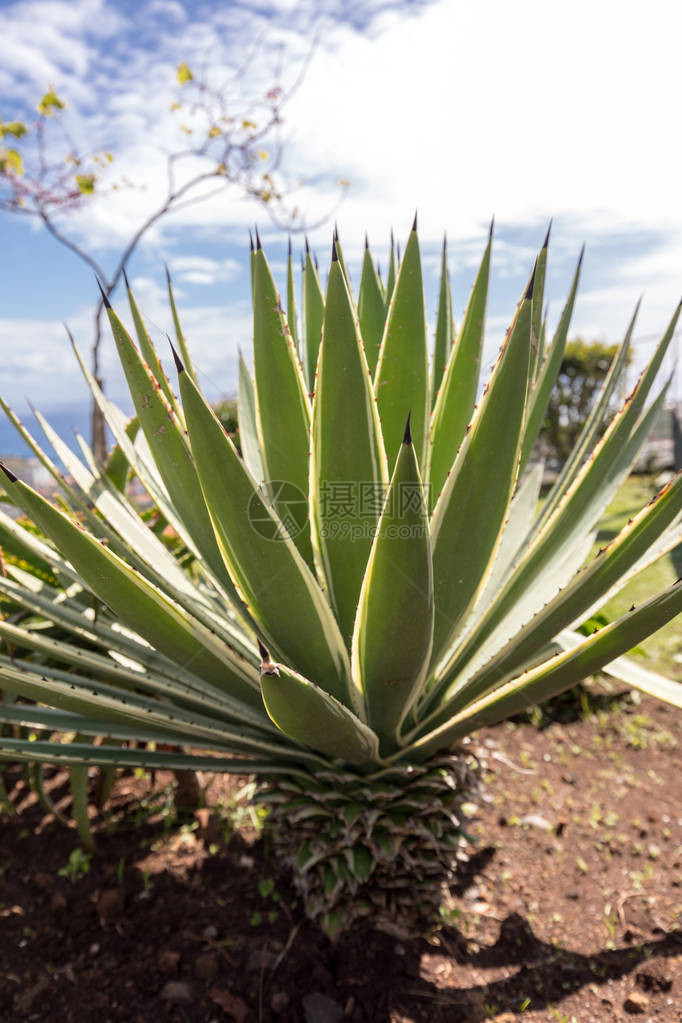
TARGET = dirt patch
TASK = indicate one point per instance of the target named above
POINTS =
(571, 908)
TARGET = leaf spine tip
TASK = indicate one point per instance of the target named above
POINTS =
(168, 277)
(335, 255)
(545, 244)
(366, 241)
(407, 436)
(8, 473)
(289, 247)
(531, 283)
(176, 358)
(336, 232)
(125, 278)
(492, 228)
(580, 257)
(250, 240)
(105, 299)
(307, 244)
(258, 244)
(414, 222)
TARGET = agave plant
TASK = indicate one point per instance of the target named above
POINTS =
(353, 595)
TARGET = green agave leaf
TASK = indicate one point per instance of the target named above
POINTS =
(348, 469)
(558, 674)
(248, 427)
(586, 588)
(118, 468)
(394, 627)
(78, 784)
(465, 530)
(547, 373)
(292, 317)
(308, 715)
(371, 309)
(283, 406)
(593, 424)
(391, 275)
(275, 582)
(170, 450)
(77, 753)
(631, 673)
(445, 328)
(538, 299)
(454, 403)
(313, 314)
(402, 376)
(148, 351)
(136, 601)
(179, 336)
(583, 503)
(342, 261)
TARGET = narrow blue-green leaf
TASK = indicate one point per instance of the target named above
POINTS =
(371, 310)
(470, 513)
(457, 394)
(248, 426)
(179, 336)
(394, 626)
(593, 424)
(78, 783)
(277, 585)
(348, 470)
(283, 407)
(538, 301)
(558, 674)
(292, 315)
(632, 673)
(547, 374)
(148, 351)
(313, 314)
(391, 275)
(402, 375)
(307, 714)
(135, 601)
(170, 449)
(445, 328)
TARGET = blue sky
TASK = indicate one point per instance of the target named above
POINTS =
(460, 108)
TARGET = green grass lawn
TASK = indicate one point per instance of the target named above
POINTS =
(662, 651)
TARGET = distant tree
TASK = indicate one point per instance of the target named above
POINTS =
(583, 369)
(226, 139)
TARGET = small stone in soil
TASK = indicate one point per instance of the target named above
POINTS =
(178, 992)
(279, 1001)
(58, 902)
(636, 1002)
(206, 966)
(260, 960)
(318, 1008)
(168, 960)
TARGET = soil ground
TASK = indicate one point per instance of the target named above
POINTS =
(570, 909)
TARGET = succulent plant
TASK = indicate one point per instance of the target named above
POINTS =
(346, 601)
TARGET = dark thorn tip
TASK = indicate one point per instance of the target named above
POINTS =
(250, 240)
(407, 436)
(307, 246)
(263, 651)
(336, 232)
(545, 244)
(289, 247)
(69, 334)
(414, 222)
(105, 300)
(366, 241)
(582, 253)
(531, 282)
(125, 278)
(392, 239)
(492, 228)
(168, 277)
(8, 473)
(258, 244)
(176, 358)
(335, 255)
